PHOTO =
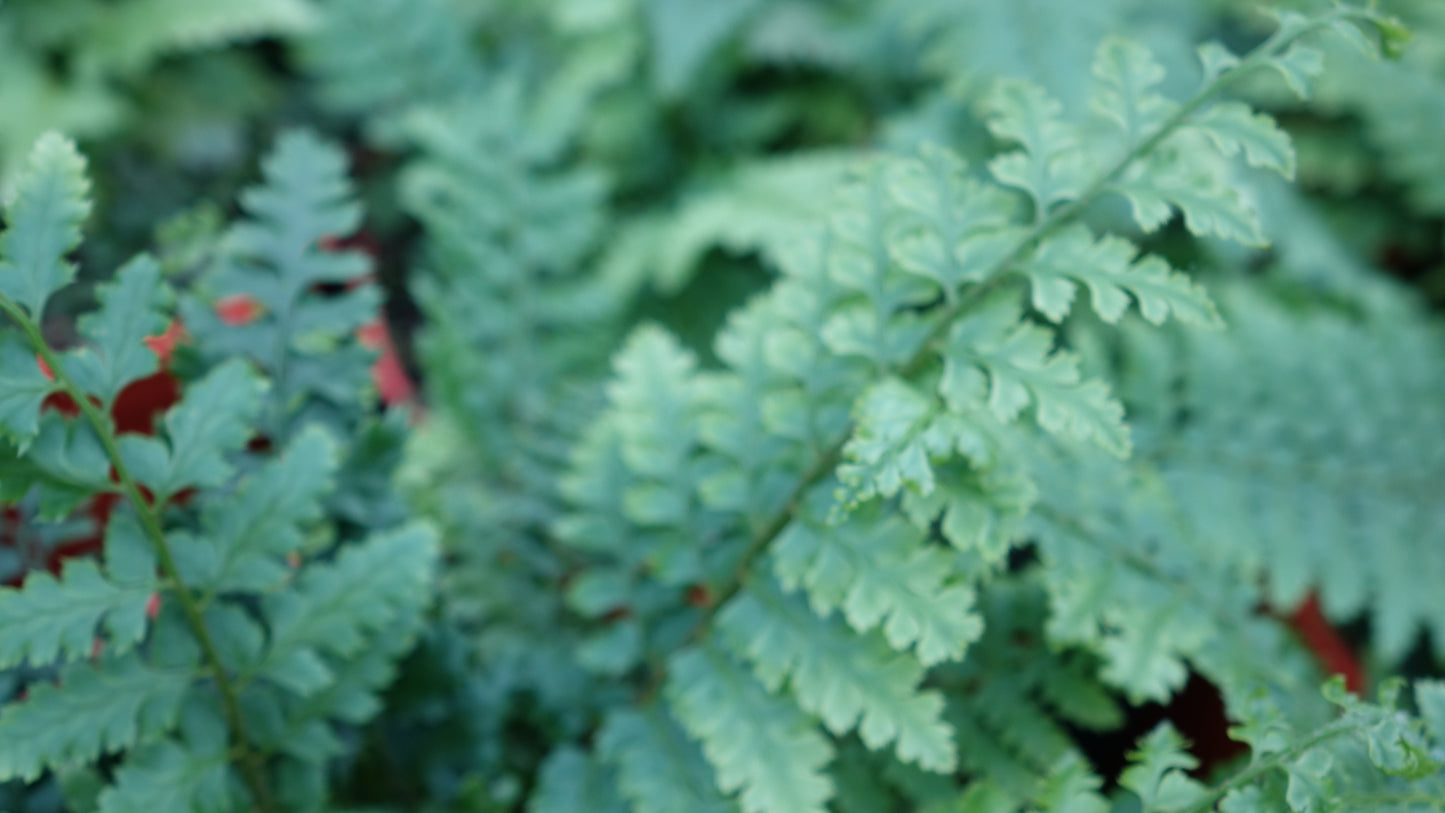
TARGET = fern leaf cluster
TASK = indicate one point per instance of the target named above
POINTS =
(1300, 447)
(209, 653)
(89, 90)
(821, 408)
(771, 599)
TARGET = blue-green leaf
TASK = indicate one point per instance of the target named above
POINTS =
(23, 388)
(130, 310)
(848, 680)
(1112, 272)
(1024, 370)
(659, 770)
(43, 223)
(93, 710)
(213, 420)
(333, 606)
(761, 746)
(50, 618)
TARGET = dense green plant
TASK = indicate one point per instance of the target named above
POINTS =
(91, 68)
(770, 568)
(204, 661)
(828, 405)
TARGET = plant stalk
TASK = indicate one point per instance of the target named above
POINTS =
(994, 278)
(248, 761)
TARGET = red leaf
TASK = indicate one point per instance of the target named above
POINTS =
(142, 400)
(238, 309)
(1329, 648)
(390, 377)
(164, 344)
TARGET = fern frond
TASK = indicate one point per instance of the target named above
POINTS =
(1022, 371)
(881, 574)
(132, 308)
(52, 618)
(126, 38)
(42, 221)
(94, 709)
(571, 779)
(913, 299)
(760, 746)
(276, 259)
(335, 605)
(223, 604)
(1109, 269)
(1339, 477)
(246, 537)
(380, 57)
(212, 422)
(23, 388)
(353, 697)
(637, 742)
(846, 680)
(169, 775)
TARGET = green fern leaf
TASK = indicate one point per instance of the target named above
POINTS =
(979, 511)
(954, 228)
(1299, 66)
(1274, 382)
(684, 33)
(353, 696)
(659, 770)
(846, 680)
(277, 259)
(879, 321)
(170, 776)
(23, 388)
(51, 618)
(43, 224)
(1158, 775)
(877, 570)
(571, 780)
(305, 197)
(65, 462)
(335, 605)
(1126, 95)
(1050, 167)
(760, 745)
(213, 420)
(247, 535)
(1210, 206)
(1235, 128)
(131, 308)
(94, 710)
(1022, 370)
(891, 448)
(1108, 268)
(656, 406)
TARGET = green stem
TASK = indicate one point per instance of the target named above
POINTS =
(248, 761)
(1264, 766)
(994, 278)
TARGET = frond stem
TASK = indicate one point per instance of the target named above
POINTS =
(994, 278)
(1264, 766)
(248, 761)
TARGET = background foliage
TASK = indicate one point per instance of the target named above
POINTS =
(683, 405)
